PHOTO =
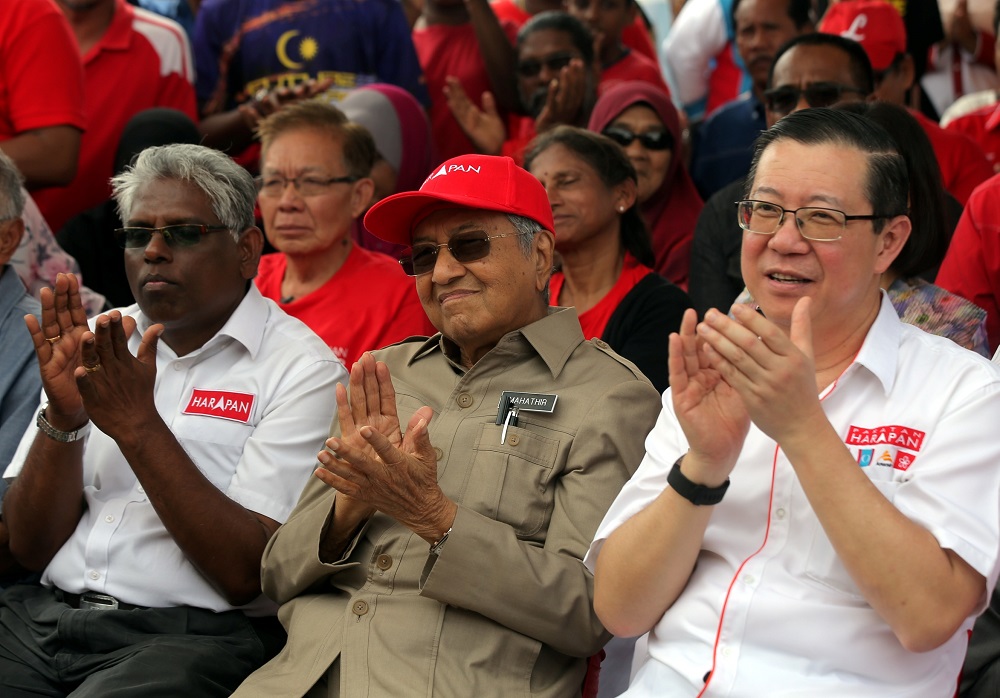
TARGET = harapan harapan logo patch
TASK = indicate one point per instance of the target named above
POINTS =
(891, 435)
(224, 404)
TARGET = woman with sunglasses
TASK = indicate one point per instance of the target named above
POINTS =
(641, 119)
(604, 247)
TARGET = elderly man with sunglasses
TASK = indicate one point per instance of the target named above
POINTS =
(175, 436)
(438, 551)
(817, 511)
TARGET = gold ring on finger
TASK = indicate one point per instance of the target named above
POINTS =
(53, 340)
(91, 369)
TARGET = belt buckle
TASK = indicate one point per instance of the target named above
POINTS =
(97, 602)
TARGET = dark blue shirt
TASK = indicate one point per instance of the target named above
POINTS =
(723, 144)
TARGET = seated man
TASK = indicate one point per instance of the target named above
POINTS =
(19, 379)
(859, 538)
(207, 403)
(457, 568)
(355, 300)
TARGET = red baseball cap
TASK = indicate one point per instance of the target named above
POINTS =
(485, 182)
(874, 24)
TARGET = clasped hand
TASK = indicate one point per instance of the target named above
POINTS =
(373, 465)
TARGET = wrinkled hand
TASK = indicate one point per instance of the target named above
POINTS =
(565, 97)
(484, 127)
(399, 482)
(709, 410)
(116, 387)
(773, 372)
(58, 341)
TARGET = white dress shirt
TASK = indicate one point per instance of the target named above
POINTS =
(275, 379)
(770, 609)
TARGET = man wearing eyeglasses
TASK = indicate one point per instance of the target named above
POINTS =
(817, 512)
(175, 437)
(438, 549)
(812, 70)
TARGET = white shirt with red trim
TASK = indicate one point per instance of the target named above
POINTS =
(252, 408)
(770, 609)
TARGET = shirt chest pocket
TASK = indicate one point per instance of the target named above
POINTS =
(512, 481)
(825, 566)
(214, 445)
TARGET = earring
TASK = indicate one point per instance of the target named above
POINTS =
(621, 209)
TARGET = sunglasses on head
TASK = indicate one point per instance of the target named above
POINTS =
(651, 140)
(180, 235)
(782, 100)
(464, 247)
(531, 68)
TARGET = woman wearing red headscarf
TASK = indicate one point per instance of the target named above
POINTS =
(641, 119)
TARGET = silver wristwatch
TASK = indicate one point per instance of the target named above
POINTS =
(50, 431)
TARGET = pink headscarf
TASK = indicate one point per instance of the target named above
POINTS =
(401, 123)
(671, 212)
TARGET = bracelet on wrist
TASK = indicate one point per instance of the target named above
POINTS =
(50, 431)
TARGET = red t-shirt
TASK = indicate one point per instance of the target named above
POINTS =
(444, 51)
(41, 77)
(142, 61)
(368, 304)
(983, 127)
(595, 320)
(963, 164)
(632, 66)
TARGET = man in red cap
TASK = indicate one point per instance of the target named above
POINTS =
(878, 27)
(444, 557)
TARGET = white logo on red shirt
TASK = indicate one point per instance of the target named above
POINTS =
(893, 434)
(224, 404)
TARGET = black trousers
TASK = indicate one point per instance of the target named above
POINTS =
(48, 648)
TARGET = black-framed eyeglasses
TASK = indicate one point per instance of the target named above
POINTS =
(782, 100)
(557, 61)
(650, 140)
(273, 186)
(179, 235)
(464, 247)
(814, 222)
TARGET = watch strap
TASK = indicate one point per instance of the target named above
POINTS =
(66, 437)
(699, 495)
(437, 546)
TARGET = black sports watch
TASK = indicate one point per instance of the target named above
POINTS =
(696, 494)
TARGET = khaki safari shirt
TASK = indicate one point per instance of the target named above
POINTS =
(506, 608)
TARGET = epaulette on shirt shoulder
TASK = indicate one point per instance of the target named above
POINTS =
(604, 347)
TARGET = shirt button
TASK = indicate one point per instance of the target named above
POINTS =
(749, 580)
(384, 562)
(140, 490)
(94, 574)
(360, 608)
(727, 651)
(601, 343)
(780, 513)
(439, 454)
(177, 366)
(514, 439)
(465, 400)
(109, 518)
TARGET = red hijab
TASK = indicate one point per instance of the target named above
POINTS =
(671, 212)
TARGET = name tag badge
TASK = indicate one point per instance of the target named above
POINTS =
(511, 403)
(223, 404)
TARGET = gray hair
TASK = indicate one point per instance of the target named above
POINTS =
(228, 186)
(12, 195)
(526, 229)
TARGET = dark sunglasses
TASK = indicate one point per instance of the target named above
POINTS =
(651, 140)
(782, 100)
(180, 235)
(532, 68)
(464, 247)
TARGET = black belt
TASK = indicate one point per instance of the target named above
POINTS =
(92, 601)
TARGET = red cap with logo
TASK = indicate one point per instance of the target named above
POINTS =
(484, 182)
(874, 24)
